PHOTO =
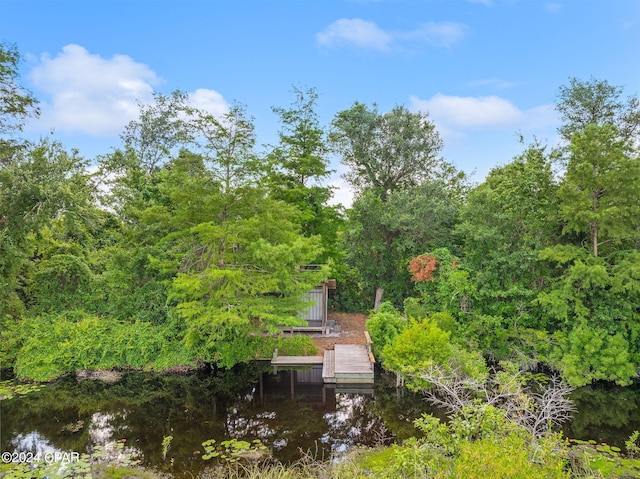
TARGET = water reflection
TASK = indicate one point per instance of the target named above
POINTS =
(292, 412)
(606, 413)
(34, 443)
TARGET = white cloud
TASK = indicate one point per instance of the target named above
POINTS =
(367, 35)
(90, 94)
(475, 126)
(465, 112)
(342, 194)
(356, 32)
(208, 100)
(443, 34)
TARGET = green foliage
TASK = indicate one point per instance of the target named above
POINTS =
(386, 152)
(298, 165)
(596, 102)
(41, 185)
(589, 354)
(159, 130)
(592, 459)
(383, 234)
(417, 346)
(16, 103)
(507, 458)
(506, 221)
(62, 281)
(190, 251)
(297, 345)
(632, 445)
(252, 284)
(384, 326)
(450, 290)
(599, 190)
(478, 442)
(55, 344)
(234, 450)
(166, 444)
(11, 389)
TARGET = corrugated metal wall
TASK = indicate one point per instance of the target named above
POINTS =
(314, 312)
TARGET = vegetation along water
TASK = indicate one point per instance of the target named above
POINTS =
(184, 247)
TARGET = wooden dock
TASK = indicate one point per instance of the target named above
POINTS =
(295, 360)
(346, 364)
(352, 364)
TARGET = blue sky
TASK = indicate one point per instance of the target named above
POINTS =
(484, 70)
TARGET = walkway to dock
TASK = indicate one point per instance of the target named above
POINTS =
(346, 364)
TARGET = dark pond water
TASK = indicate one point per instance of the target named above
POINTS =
(290, 412)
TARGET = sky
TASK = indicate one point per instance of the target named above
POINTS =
(487, 72)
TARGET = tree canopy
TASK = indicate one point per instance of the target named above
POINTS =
(184, 244)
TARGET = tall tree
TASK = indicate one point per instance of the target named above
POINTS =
(16, 103)
(382, 236)
(405, 193)
(298, 167)
(43, 184)
(226, 144)
(386, 152)
(593, 295)
(300, 158)
(506, 222)
(600, 190)
(585, 102)
(160, 130)
(247, 284)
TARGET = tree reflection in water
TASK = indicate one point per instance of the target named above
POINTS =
(290, 412)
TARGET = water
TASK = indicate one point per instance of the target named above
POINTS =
(290, 412)
(291, 417)
(605, 413)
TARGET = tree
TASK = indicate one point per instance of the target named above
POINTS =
(505, 223)
(583, 103)
(593, 295)
(251, 283)
(160, 130)
(39, 186)
(42, 185)
(600, 190)
(524, 400)
(298, 165)
(406, 196)
(16, 103)
(386, 152)
(300, 158)
(382, 236)
(226, 145)
(444, 285)
(417, 347)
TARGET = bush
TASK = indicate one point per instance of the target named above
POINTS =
(416, 347)
(59, 343)
(384, 326)
(507, 458)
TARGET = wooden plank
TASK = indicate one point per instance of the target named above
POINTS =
(368, 338)
(352, 358)
(328, 366)
(296, 360)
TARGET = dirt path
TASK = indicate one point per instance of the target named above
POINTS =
(351, 331)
